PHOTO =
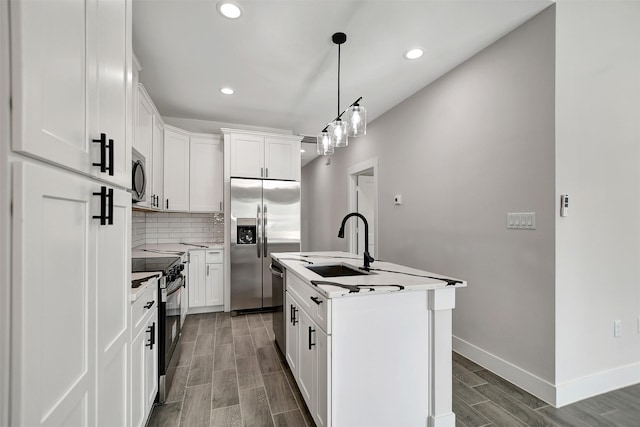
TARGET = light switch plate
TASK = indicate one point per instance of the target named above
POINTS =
(521, 220)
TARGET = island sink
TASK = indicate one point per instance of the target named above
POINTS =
(335, 270)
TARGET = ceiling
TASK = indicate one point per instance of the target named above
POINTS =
(280, 60)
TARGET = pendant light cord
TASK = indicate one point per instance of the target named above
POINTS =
(338, 81)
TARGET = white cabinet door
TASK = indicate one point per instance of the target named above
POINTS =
(196, 279)
(157, 168)
(138, 395)
(113, 296)
(143, 141)
(293, 320)
(214, 281)
(176, 170)
(307, 354)
(321, 380)
(53, 297)
(112, 38)
(206, 178)
(71, 71)
(52, 83)
(247, 156)
(151, 362)
(282, 159)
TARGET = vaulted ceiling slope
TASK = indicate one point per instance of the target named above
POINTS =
(280, 60)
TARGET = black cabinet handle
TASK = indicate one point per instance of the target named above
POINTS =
(167, 203)
(110, 167)
(106, 206)
(152, 338)
(103, 152)
(294, 315)
(311, 331)
(316, 300)
(149, 304)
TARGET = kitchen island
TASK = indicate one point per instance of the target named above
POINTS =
(368, 348)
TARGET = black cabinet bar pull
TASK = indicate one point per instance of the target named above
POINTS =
(311, 331)
(103, 152)
(103, 205)
(316, 300)
(294, 315)
(152, 336)
(167, 203)
(149, 304)
(110, 196)
(110, 167)
(106, 206)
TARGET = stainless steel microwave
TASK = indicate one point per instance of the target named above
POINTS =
(138, 177)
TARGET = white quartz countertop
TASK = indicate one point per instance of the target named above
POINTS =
(168, 249)
(153, 281)
(383, 276)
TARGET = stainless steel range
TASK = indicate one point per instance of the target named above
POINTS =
(170, 299)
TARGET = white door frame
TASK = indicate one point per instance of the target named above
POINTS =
(352, 182)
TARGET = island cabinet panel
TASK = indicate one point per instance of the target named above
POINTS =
(292, 327)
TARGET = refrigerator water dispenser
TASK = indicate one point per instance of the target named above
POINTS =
(246, 231)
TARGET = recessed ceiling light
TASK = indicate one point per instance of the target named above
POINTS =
(302, 150)
(229, 9)
(227, 90)
(413, 53)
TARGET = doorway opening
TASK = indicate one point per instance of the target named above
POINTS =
(363, 198)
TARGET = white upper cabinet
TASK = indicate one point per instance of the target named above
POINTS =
(206, 177)
(176, 169)
(71, 64)
(143, 141)
(157, 166)
(282, 158)
(247, 156)
(262, 155)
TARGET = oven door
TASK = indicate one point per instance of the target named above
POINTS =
(170, 310)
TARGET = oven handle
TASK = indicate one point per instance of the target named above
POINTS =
(177, 288)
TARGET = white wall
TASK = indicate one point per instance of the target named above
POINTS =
(598, 165)
(464, 151)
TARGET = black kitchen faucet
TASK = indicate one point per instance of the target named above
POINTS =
(367, 258)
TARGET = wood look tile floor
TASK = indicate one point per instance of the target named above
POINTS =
(231, 374)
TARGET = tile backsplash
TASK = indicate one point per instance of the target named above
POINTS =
(172, 227)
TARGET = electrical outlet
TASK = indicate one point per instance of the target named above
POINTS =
(639, 324)
(617, 328)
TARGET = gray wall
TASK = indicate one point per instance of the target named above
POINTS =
(598, 155)
(464, 151)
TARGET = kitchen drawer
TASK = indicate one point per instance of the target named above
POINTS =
(311, 301)
(144, 304)
(214, 256)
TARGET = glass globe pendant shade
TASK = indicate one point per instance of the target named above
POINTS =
(323, 145)
(338, 133)
(357, 120)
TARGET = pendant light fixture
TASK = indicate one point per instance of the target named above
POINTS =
(337, 133)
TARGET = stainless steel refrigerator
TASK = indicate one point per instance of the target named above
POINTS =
(265, 218)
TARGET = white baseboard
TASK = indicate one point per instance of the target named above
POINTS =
(556, 395)
(443, 420)
(598, 383)
(525, 380)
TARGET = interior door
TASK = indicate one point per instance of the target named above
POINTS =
(246, 244)
(281, 218)
(366, 203)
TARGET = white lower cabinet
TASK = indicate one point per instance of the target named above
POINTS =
(206, 279)
(70, 332)
(307, 353)
(144, 355)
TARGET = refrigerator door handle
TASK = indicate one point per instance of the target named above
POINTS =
(258, 243)
(264, 231)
